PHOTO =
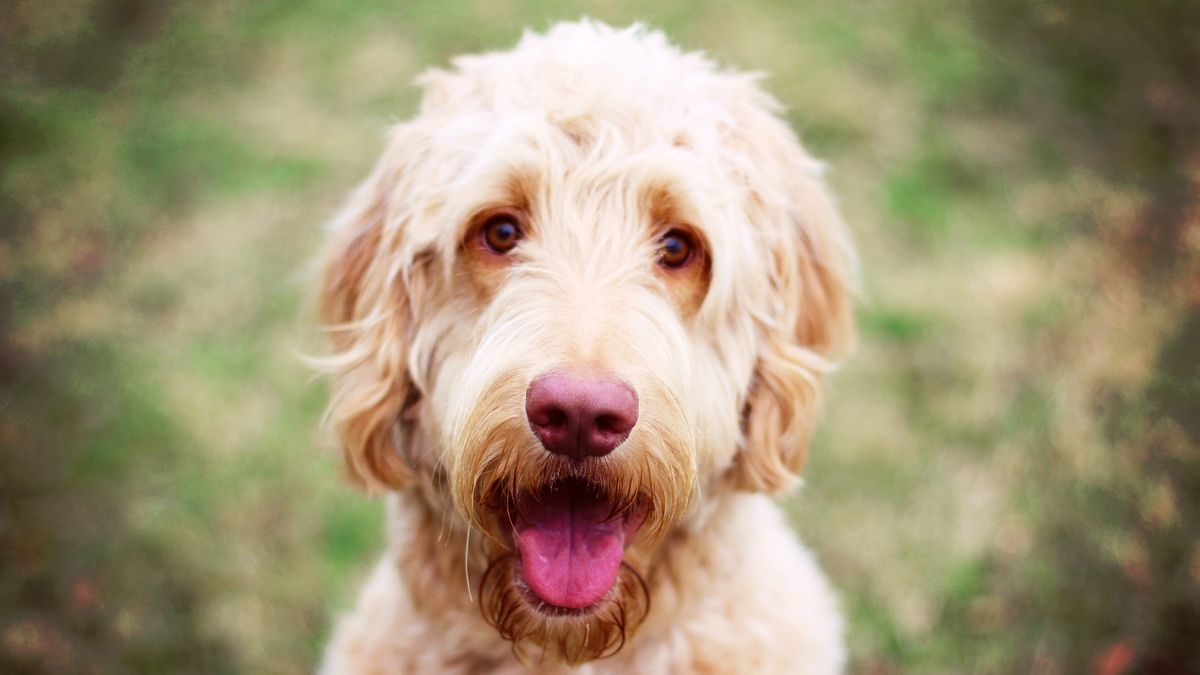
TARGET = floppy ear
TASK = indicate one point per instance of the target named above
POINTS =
(365, 305)
(808, 325)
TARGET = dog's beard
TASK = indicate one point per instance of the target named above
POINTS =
(544, 633)
(647, 486)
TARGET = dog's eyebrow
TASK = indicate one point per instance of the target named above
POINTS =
(501, 187)
(665, 205)
(669, 204)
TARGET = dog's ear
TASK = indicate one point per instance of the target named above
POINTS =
(365, 304)
(807, 324)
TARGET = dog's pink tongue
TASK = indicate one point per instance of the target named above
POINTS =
(570, 549)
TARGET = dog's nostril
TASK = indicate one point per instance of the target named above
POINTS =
(556, 419)
(606, 424)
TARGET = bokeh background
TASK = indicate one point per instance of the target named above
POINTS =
(1006, 480)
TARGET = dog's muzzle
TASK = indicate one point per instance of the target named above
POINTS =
(570, 534)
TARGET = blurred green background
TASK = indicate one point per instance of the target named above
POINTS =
(1006, 480)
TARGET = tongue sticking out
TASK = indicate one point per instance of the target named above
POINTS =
(570, 547)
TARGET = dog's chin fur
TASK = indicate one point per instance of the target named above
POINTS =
(599, 143)
(542, 633)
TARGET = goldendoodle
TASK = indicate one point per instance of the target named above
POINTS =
(580, 314)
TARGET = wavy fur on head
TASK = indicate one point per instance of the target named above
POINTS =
(596, 142)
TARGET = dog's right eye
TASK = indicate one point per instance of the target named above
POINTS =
(675, 249)
(501, 233)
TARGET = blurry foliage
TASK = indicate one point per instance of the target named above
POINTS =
(1117, 83)
(1007, 478)
(99, 480)
(79, 589)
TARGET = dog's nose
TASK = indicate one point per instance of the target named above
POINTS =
(580, 417)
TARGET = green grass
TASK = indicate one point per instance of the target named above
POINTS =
(1005, 479)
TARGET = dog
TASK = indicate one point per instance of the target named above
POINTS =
(580, 315)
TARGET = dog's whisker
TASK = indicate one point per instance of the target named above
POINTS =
(444, 528)
(467, 564)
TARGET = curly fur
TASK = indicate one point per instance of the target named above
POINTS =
(600, 137)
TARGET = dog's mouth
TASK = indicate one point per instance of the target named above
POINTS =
(571, 538)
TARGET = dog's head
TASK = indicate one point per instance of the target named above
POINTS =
(594, 280)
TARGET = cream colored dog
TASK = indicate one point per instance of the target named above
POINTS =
(580, 313)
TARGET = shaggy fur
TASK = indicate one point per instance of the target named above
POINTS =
(597, 142)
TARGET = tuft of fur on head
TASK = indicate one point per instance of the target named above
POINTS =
(599, 139)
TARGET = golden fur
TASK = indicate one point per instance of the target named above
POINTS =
(597, 140)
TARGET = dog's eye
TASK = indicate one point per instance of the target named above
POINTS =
(502, 232)
(675, 249)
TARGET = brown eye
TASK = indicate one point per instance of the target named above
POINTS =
(675, 249)
(502, 232)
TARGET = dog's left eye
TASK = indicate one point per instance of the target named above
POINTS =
(675, 249)
(502, 232)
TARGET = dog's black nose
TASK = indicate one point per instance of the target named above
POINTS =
(580, 417)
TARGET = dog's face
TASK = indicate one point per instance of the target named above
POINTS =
(592, 283)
